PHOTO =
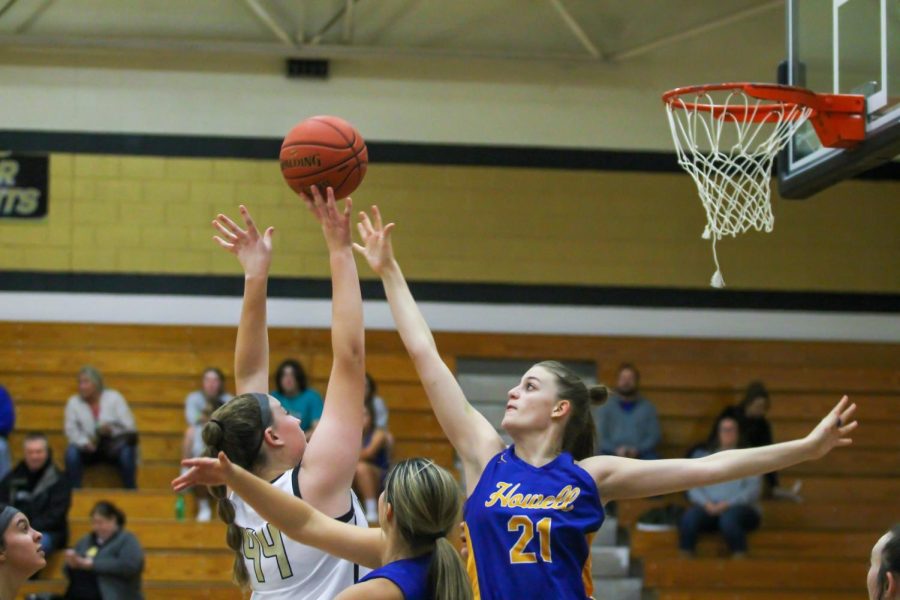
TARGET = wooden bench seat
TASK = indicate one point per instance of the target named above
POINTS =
(849, 516)
(153, 590)
(810, 576)
(788, 544)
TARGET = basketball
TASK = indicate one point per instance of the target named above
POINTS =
(324, 152)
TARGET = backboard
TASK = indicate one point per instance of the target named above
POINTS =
(842, 47)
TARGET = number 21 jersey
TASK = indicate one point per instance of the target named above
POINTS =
(530, 528)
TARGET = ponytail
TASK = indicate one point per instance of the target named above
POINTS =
(447, 578)
(427, 503)
(235, 429)
(580, 434)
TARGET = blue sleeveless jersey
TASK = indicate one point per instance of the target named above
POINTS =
(408, 574)
(530, 528)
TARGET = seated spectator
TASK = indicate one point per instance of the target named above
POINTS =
(755, 428)
(20, 549)
(296, 396)
(627, 424)
(100, 428)
(7, 422)
(106, 563)
(883, 578)
(730, 507)
(381, 411)
(41, 491)
(198, 407)
(373, 462)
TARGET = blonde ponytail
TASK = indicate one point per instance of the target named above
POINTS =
(427, 504)
(447, 576)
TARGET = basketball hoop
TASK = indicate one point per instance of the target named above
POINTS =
(728, 134)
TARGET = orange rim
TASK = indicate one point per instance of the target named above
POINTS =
(839, 119)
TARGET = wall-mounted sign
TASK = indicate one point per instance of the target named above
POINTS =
(23, 186)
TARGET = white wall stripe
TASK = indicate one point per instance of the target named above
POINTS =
(460, 317)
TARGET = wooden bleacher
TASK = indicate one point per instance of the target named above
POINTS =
(815, 549)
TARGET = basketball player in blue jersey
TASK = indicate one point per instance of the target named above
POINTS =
(255, 431)
(533, 506)
(412, 558)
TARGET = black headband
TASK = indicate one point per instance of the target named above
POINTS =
(6, 517)
(265, 417)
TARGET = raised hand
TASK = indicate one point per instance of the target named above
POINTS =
(335, 223)
(834, 429)
(253, 251)
(376, 238)
(204, 471)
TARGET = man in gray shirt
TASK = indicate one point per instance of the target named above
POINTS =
(627, 424)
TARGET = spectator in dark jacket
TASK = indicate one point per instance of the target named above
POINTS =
(41, 491)
(7, 422)
(106, 563)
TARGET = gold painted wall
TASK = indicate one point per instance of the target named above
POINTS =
(152, 215)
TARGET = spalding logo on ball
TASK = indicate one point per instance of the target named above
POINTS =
(324, 152)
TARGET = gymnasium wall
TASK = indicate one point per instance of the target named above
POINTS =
(631, 222)
(129, 214)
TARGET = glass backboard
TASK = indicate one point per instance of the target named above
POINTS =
(842, 47)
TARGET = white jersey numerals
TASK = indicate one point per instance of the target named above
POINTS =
(266, 543)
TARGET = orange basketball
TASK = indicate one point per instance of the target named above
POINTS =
(324, 152)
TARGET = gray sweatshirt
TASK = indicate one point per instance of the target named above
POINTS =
(738, 491)
(637, 427)
(118, 564)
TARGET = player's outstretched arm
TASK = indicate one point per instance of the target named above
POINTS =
(621, 478)
(329, 463)
(473, 437)
(254, 252)
(294, 517)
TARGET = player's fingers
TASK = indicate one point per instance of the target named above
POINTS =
(316, 194)
(848, 414)
(377, 214)
(848, 428)
(841, 405)
(227, 222)
(367, 223)
(348, 206)
(251, 226)
(228, 246)
(360, 249)
(363, 234)
(225, 231)
(331, 206)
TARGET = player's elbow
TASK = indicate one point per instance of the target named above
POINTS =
(708, 470)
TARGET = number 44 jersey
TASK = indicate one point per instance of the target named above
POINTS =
(280, 568)
(529, 529)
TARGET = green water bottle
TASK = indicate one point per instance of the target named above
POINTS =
(179, 507)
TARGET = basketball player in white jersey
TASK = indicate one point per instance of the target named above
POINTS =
(257, 433)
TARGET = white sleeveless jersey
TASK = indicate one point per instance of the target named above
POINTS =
(280, 568)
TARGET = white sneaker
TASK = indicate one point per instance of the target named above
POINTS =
(204, 513)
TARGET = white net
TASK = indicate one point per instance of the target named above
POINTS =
(727, 141)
